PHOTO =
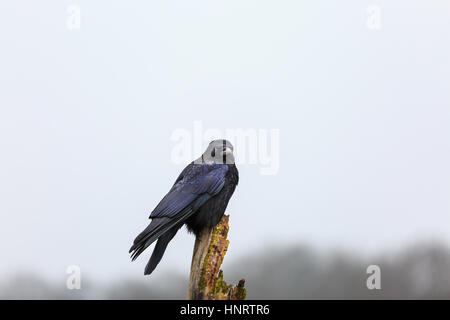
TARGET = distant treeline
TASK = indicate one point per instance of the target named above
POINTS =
(420, 271)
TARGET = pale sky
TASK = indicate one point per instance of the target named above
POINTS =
(86, 119)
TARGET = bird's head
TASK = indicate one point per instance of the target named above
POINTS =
(219, 151)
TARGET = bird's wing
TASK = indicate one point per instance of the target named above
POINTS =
(199, 184)
(200, 180)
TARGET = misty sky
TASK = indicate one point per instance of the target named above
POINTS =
(87, 116)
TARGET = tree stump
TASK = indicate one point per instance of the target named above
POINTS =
(206, 278)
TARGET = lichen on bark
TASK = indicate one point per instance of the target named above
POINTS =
(206, 279)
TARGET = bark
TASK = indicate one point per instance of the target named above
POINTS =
(206, 278)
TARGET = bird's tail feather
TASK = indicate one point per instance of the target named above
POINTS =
(154, 230)
(142, 240)
(159, 250)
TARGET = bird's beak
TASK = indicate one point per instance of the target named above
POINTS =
(227, 150)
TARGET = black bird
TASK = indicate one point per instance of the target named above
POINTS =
(198, 199)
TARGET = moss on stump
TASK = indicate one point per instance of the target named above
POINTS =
(206, 279)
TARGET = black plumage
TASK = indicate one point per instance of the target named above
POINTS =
(198, 199)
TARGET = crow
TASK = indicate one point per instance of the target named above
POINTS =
(198, 199)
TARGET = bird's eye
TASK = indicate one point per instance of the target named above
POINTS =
(213, 153)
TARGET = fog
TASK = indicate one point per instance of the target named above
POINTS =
(360, 105)
(421, 271)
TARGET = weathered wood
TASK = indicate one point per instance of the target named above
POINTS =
(206, 278)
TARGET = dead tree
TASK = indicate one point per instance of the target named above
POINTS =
(206, 278)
